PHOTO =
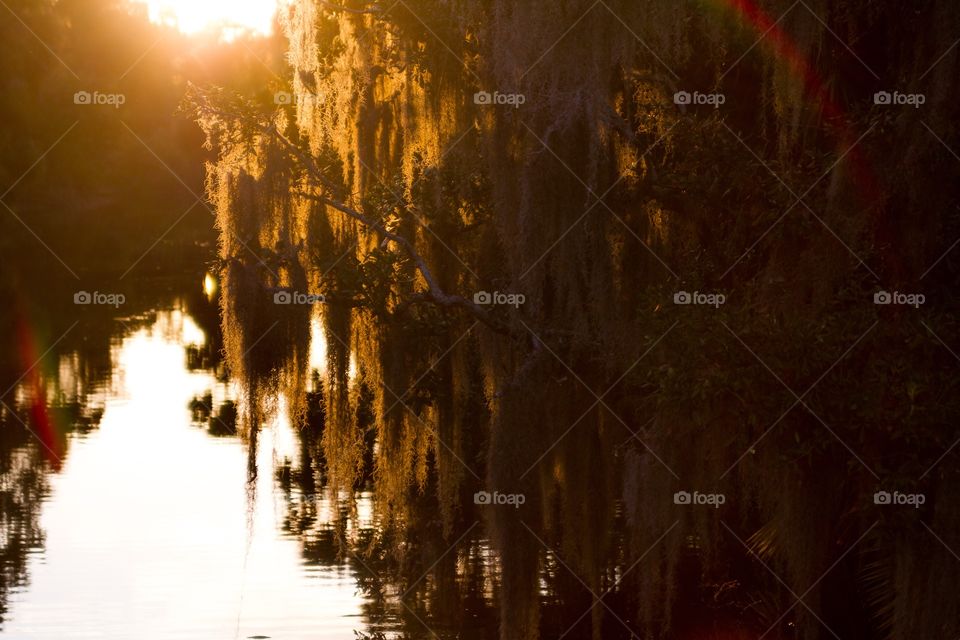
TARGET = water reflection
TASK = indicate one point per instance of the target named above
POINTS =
(22, 486)
(165, 515)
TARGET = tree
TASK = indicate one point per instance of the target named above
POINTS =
(441, 150)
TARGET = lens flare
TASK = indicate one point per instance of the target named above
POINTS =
(40, 420)
(784, 50)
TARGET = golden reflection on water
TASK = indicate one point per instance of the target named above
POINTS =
(150, 532)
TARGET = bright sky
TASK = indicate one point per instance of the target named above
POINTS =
(194, 16)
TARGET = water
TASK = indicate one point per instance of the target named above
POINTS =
(148, 524)
(133, 506)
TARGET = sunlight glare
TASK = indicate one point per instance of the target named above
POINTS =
(196, 16)
(210, 285)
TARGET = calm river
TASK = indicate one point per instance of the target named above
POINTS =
(141, 515)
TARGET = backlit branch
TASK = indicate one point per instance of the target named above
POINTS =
(324, 185)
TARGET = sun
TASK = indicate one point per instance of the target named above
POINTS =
(196, 16)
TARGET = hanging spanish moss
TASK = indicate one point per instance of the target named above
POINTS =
(499, 211)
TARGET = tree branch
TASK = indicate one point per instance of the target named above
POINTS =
(434, 292)
(337, 7)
